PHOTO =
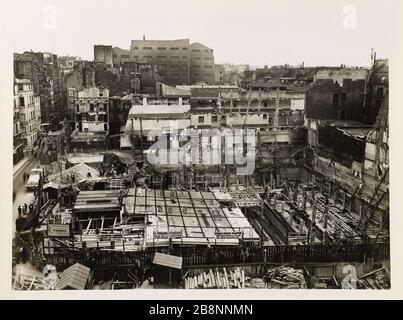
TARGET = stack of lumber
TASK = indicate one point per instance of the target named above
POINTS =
(218, 279)
(285, 278)
(27, 282)
(377, 279)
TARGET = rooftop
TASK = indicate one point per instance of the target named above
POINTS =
(74, 277)
(160, 109)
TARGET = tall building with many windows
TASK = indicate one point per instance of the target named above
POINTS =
(27, 107)
(201, 64)
(170, 56)
(178, 62)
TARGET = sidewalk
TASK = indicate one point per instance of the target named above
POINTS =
(20, 164)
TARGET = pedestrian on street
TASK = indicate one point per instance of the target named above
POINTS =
(25, 208)
(31, 207)
(19, 211)
(24, 177)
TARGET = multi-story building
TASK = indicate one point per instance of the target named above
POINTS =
(66, 63)
(171, 57)
(120, 56)
(28, 106)
(219, 72)
(201, 64)
(327, 99)
(91, 113)
(377, 89)
(91, 119)
(177, 61)
(18, 146)
(103, 53)
(43, 70)
(157, 113)
(347, 151)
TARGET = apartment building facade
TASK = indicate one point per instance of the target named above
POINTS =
(178, 62)
(170, 56)
(48, 83)
(27, 110)
(201, 64)
(103, 53)
(91, 110)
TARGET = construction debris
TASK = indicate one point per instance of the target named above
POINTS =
(377, 279)
(75, 174)
(27, 282)
(285, 278)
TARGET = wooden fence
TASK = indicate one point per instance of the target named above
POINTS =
(216, 256)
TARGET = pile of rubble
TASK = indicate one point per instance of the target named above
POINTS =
(377, 279)
(284, 277)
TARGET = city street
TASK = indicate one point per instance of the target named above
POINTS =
(22, 194)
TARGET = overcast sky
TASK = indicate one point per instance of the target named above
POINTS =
(256, 32)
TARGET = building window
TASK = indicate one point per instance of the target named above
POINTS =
(184, 48)
(20, 87)
(161, 48)
(343, 98)
(135, 48)
(214, 119)
(201, 119)
(379, 91)
(265, 116)
(91, 107)
(147, 48)
(223, 118)
(174, 48)
(22, 101)
(196, 50)
(335, 99)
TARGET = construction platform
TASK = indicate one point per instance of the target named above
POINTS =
(189, 217)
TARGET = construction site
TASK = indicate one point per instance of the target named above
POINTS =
(279, 183)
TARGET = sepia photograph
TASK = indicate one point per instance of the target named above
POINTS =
(199, 145)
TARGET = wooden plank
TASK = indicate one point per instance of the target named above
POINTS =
(226, 278)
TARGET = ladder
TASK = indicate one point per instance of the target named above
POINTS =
(372, 205)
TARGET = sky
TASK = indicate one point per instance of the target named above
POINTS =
(255, 32)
